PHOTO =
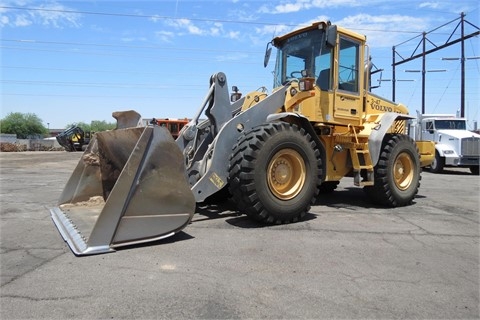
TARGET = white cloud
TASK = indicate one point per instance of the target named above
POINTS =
(57, 15)
(216, 29)
(233, 35)
(51, 14)
(280, 29)
(289, 7)
(432, 5)
(165, 36)
(155, 18)
(186, 25)
(375, 27)
(134, 39)
(299, 5)
(4, 20)
(22, 20)
(273, 30)
(232, 57)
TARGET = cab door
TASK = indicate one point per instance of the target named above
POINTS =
(349, 81)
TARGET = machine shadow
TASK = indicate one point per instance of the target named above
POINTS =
(346, 197)
(180, 236)
(350, 196)
(215, 210)
(447, 171)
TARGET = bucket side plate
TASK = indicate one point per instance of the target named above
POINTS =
(142, 177)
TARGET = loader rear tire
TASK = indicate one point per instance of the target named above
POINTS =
(397, 173)
(275, 173)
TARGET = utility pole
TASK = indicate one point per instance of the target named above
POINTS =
(462, 81)
(423, 71)
(425, 52)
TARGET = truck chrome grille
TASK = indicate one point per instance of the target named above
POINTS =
(471, 146)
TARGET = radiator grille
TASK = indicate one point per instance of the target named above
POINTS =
(471, 146)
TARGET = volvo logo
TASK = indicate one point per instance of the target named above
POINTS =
(375, 104)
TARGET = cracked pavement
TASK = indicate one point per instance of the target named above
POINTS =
(347, 259)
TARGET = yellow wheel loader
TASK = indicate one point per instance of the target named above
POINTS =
(274, 154)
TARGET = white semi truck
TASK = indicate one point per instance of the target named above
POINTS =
(454, 144)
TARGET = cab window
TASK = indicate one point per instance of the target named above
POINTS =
(348, 65)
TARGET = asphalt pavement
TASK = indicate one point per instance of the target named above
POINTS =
(348, 259)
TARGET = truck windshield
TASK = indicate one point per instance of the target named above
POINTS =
(304, 51)
(450, 124)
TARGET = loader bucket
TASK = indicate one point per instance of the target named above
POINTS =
(129, 187)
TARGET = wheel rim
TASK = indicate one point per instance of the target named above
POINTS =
(286, 174)
(434, 164)
(403, 171)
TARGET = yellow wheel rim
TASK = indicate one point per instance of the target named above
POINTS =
(403, 171)
(286, 174)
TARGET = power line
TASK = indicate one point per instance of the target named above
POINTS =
(159, 17)
(177, 74)
(446, 88)
(109, 54)
(97, 84)
(94, 96)
(129, 15)
(122, 46)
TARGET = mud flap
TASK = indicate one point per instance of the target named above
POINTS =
(129, 187)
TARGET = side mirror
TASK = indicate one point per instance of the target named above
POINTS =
(332, 36)
(268, 52)
(235, 96)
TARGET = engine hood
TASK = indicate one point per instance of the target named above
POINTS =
(458, 133)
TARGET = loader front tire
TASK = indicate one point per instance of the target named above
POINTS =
(397, 173)
(275, 173)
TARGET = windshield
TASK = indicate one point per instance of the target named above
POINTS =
(450, 124)
(303, 51)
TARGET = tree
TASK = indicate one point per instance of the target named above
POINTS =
(95, 126)
(24, 125)
(83, 125)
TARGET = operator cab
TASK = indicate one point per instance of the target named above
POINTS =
(334, 58)
(306, 50)
(312, 49)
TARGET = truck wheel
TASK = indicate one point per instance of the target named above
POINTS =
(275, 173)
(397, 173)
(474, 170)
(437, 164)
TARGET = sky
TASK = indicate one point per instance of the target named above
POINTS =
(79, 61)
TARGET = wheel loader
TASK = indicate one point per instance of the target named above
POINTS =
(73, 139)
(273, 153)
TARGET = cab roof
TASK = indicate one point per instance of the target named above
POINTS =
(317, 25)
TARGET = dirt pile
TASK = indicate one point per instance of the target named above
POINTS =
(12, 147)
(17, 147)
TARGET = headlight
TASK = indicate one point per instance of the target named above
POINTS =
(305, 84)
(235, 96)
